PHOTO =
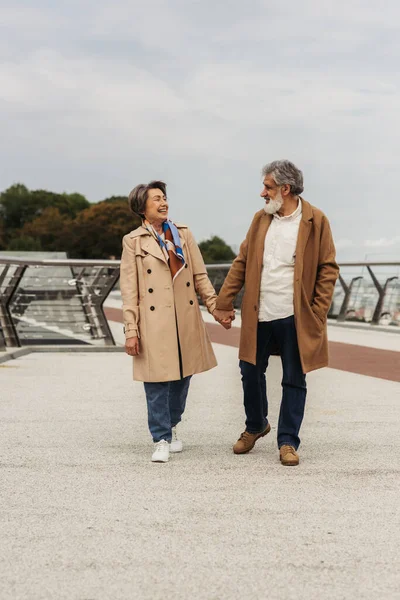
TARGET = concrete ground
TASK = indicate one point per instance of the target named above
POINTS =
(85, 514)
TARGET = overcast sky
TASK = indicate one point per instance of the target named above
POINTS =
(96, 97)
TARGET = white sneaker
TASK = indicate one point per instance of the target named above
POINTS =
(161, 452)
(175, 445)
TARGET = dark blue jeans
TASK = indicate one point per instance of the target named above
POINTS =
(166, 403)
(282, 334)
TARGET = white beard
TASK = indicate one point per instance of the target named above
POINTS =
(274, 206)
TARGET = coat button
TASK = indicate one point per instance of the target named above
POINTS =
(151, 307)
(145, 252)
(255, 307)
(188, 284)
(186, 266)
(150, 290)
(149, 271)
(191, 302)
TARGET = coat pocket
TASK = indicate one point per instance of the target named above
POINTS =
(318, 320)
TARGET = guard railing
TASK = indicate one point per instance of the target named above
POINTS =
(62, 301)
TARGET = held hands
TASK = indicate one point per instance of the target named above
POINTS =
(132, 346)
(224, 317)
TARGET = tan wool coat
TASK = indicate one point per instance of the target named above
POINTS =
(315, 274)
(163, 313)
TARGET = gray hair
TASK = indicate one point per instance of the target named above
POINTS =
(138, 197)
(285, 172)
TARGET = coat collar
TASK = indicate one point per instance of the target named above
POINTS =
(143, 231)
(149, 245)
(307, 211)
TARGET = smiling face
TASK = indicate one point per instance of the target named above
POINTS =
(156, 210)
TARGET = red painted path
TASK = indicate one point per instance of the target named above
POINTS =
(384, 364)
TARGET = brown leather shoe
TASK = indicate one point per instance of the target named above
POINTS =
(288, 456)
(247, 440)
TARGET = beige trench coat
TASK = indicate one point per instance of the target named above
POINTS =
(315, 274)
(160, 312)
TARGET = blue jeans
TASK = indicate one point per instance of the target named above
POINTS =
(166, 403)
(282, 334)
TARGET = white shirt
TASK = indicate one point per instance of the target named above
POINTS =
(276, 291)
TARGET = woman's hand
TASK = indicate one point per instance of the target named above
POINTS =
(132, 346)
(224, 317)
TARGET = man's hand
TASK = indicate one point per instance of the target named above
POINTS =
(224, 317)
(132, 346)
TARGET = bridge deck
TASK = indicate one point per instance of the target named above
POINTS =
(85, 515)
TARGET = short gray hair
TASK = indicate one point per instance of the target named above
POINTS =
(285, 172)
(138, 197)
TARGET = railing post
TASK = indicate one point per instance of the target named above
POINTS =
(9, 332)
(381, 295)
(347, 294)
(109, 338)
(93, 298)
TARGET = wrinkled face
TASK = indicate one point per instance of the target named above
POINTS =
(156, 206)
(270, 189)
(272, 194)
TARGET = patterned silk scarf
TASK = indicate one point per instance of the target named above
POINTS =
(171, 247)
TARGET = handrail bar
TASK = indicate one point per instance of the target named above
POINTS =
(75, 262)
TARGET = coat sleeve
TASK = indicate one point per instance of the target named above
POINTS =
(129, 289)
(205, 289)
(202, 284)
(327, 274)
(235, 279)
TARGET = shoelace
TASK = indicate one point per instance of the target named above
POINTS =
(287, 450)
(160, 448)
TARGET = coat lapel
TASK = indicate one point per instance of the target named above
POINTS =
(151, 246)
(262, 232)
(302, 238)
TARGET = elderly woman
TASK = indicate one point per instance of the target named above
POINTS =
(161, 271)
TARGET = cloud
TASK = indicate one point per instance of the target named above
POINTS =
(383, 242)
(204, 94)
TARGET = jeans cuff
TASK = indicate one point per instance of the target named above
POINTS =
(287, 443)
(263, 428)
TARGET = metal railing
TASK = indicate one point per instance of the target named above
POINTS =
(55, 301)
(62, 301)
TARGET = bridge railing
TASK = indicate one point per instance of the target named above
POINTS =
(62, 301)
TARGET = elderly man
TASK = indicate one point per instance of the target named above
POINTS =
(287, 264)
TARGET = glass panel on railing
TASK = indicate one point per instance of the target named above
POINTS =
(56, 305)
(364, 296)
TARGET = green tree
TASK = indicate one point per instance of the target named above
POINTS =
(215, 250)
(51, 229)
(67, 204)
(25, 243)
(117, 199)
(15, 206)
(3, 238)
(18, 205)
(97, 231)
(76, 203)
